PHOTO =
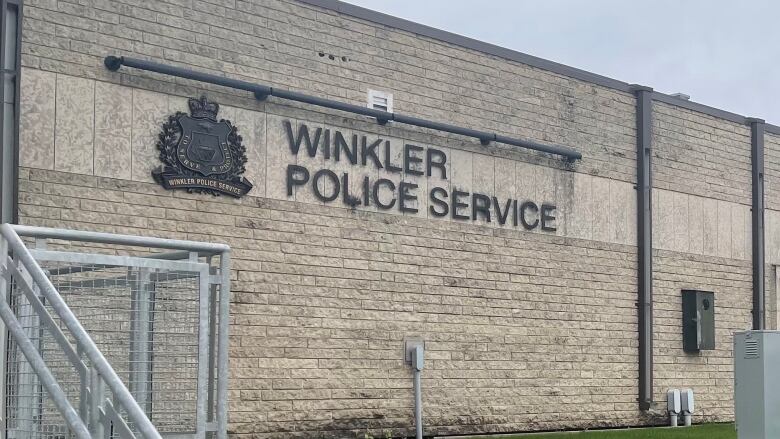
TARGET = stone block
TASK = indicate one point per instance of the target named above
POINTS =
(150, 111)
(695, 225)
(710, 223)
(680, 222)
(37, 119)
(724, 228)
(602, 222)
(113, 130)
(75, 124)
(580, 220)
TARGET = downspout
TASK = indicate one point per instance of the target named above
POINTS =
(11, 62)
(757, 127)
(644, 109)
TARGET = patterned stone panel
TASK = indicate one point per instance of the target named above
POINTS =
(150, 110)
(113, 130)
(704, 226)
(75, 122)
(36, 131)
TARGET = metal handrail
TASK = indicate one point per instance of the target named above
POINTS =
(85, 342)
(261, 92)
(110, 238)
(37, 364)
(181, 250)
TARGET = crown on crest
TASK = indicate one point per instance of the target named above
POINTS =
(203, 108)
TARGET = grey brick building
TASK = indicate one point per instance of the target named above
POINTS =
(547, 289)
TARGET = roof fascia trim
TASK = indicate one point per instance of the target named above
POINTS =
(523, 58)
(469, 43)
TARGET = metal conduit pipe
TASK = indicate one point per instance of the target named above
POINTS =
(261, 92)
(414, 356)
(418, 422)
(417, 366)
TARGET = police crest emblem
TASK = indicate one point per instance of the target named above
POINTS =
(201, 153)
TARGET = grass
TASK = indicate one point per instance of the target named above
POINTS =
(707, 431)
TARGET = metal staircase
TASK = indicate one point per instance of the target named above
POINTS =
(107, 337)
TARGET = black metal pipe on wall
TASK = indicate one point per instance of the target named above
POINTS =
(261, 92)
(757, 127)
(644, 109)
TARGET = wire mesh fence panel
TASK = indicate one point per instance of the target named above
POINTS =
(145, 321)
(30, 412)
(112, 336)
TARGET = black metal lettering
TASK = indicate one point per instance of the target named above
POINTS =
(333, 178)
(296, 176)
(434, 196)
(340, 144)
(502, 216)
(366, 191)
(411, 161)
(456, 194)
(326, 143)
(547, 217)
(388, 163)
(375, 193)
(369, 151)
(436, 159)
(480, 204)
(303, 135)
(349, 199)
(523, 208)
(404, 195)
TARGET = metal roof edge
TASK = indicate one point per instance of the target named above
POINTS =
(772, 129)
(513, 55)
(701, 108)
(469, 43)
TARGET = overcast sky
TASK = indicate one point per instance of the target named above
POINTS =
(725, 54)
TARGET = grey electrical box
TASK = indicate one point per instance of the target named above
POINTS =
(757, 384)
(410, 345)
(698, 310)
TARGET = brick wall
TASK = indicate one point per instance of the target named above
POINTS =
(702, 233)
(772, 170)
(525, 330)
(772, 224)
(324, 296)
(323, 299)
(700, 154)
(278, 43)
